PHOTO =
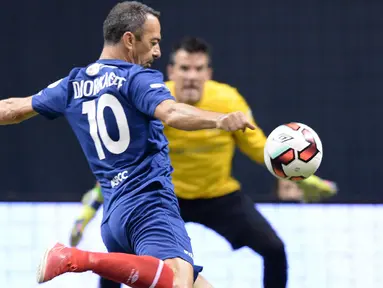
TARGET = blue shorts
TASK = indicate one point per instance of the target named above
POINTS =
(149, 223)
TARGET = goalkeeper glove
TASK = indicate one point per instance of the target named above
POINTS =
(314, 189)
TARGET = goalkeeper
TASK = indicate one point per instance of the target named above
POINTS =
(202, 161)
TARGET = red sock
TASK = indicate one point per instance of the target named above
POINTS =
(134, 271)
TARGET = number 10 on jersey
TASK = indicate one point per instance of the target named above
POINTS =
(97, 125)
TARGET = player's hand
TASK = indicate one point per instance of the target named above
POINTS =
(234, 121)
(314, 189)
(76, 233)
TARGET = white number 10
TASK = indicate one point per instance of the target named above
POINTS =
(97, 125)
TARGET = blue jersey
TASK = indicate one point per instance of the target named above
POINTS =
(110, 106)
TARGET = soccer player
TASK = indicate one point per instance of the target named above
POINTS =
(116, 108)
(202, 160)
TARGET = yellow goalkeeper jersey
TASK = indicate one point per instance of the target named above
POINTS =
(202, 160)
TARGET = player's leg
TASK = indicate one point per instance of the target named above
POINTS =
(258, 234)
(190, 213)
(235, 217)
(132, 270)
(154, 227)
(118, 266)
(183, 272)
(116, 239)
(201, 282)
(157, 229)
(181, 267)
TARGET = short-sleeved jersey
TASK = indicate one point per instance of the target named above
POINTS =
(202, 160)
(110, 106)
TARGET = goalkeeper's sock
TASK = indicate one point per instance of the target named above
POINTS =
(132, 270)
(92, 200)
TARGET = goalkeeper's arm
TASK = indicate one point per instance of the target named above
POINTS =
(92, 200)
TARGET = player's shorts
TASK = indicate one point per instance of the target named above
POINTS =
(236, 218)
(149, 223)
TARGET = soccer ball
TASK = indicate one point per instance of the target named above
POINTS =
(293, 151)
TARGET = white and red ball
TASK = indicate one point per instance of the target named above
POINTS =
(293, 151)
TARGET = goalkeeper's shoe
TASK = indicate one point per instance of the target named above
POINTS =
(76, 233)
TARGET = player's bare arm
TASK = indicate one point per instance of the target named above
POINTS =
(186, 117)
(16, 110)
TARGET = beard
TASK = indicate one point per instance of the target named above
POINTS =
(191, 95)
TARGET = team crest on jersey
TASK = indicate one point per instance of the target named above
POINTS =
(93, 69)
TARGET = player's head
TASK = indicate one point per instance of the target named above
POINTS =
(189, 68)
(135, 30)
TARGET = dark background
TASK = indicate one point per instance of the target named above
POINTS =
(315, 62)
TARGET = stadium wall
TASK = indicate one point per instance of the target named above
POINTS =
(332, 246)
(316, 62)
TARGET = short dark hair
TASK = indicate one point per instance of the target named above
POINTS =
(191, 45)
(128, 16)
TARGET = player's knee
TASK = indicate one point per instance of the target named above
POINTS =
(183, 272)
(202, 283)
(274, 248)
(277, 246)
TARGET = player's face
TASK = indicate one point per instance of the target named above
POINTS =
(189, 72)
(147, 48)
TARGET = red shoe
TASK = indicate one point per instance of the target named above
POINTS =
(56, 261)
